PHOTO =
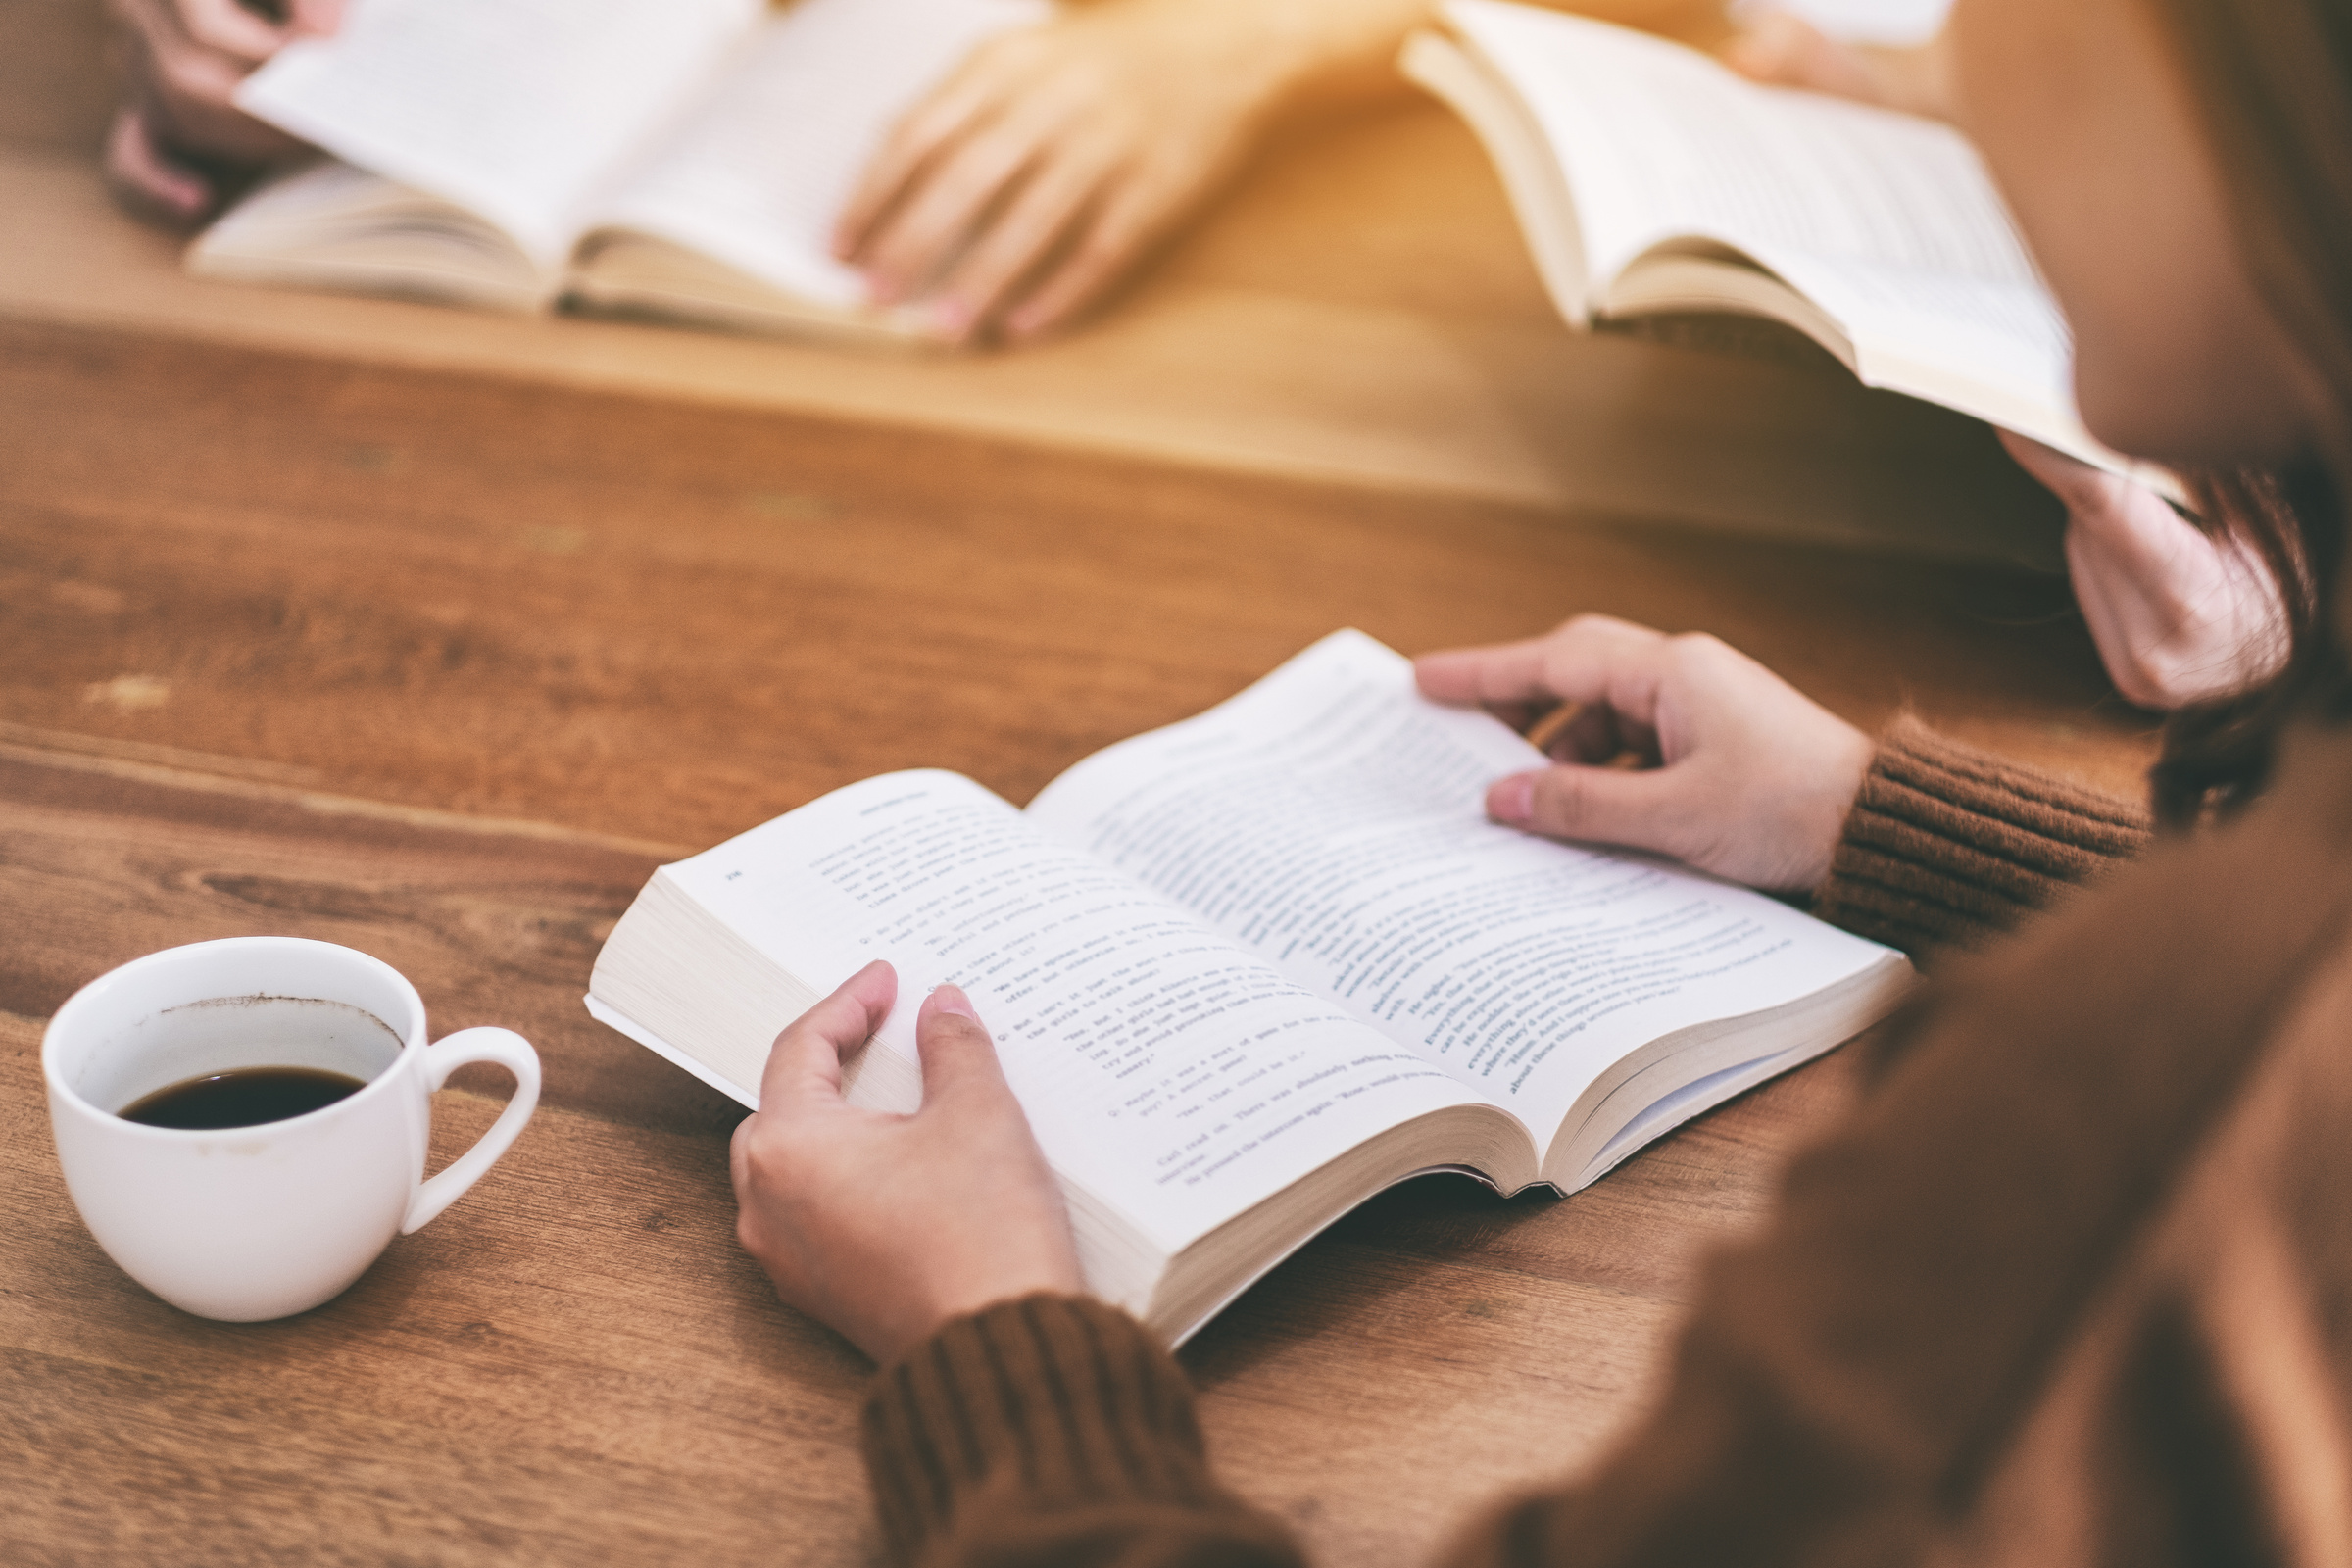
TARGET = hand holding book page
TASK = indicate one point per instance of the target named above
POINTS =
(1330, 823)
(1178, 1079)
(686, 159)
(1247, 970)
(757, 176)
(177, 134)
(824, 1188)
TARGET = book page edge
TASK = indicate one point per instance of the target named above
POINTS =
(612, 1018)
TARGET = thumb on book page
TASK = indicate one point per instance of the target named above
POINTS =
(1590, 805)
(960, 1059)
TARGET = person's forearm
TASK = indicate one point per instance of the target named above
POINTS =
(1948, 846)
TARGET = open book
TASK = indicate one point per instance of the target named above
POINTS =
(680, 158)
(1248, 970)
(1651, 181)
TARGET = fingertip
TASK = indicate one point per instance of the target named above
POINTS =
(1031, 320)
(949, 1000)
(876, 989)
(1513, 801)
(950, 318)
(139, 168)
(1444, 676)
(1763, 49)
(960, 1055)
(851, 232)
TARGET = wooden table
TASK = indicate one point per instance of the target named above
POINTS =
(441, 669)
(440, 665)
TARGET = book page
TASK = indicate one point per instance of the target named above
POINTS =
(759, 173)
(1998, 350)
(1175, 1077)
(1331, 820)
(331, 226)
(514, 108)
(1658, 142)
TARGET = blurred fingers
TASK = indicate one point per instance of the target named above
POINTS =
(316, 18)
(1017, 239)
(890, 175)
(1781, 50)
(2070, 479)
(1121, 228)
(228, 29)
(1784, 50)
(143, 176)
(184, 89)
(993, 80)
(947, 202)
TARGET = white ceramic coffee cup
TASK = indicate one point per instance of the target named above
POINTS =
(249, 1223)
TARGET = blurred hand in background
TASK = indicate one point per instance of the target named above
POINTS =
(1053, 159)
(178, 141)
(1784, 50)
(1056, 156)
(2178, 614)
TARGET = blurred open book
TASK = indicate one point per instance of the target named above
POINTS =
(1651, 182)
(678, 158)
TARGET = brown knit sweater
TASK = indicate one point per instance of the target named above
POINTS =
(2070, 1288)
(1948, 846)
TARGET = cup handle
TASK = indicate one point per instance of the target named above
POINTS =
(445, 1055)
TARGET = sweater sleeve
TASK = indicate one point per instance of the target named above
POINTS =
(1948, 846)
(1051, 1430)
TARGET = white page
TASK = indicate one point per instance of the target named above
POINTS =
(1995, 349)
(757, 176)
(1187, 1084)
(1660, 142)
(515, 109)
(1331, 819)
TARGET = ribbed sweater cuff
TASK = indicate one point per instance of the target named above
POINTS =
(1948, 846)
(1042, 1407)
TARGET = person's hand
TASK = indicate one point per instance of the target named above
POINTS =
(1784, 50)
(884, 1226)
(1735, 771)
(2179, 617)
(177, 135)
(1056, 156)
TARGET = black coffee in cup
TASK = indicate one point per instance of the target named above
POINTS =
(244, 1098)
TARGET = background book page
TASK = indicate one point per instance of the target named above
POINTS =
(1175, 1077)
(516, 109)
(1331, 819)
(1994, 348)
(1658, 143)
(759, 173)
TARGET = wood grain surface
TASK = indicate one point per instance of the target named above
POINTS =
(439, 667)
